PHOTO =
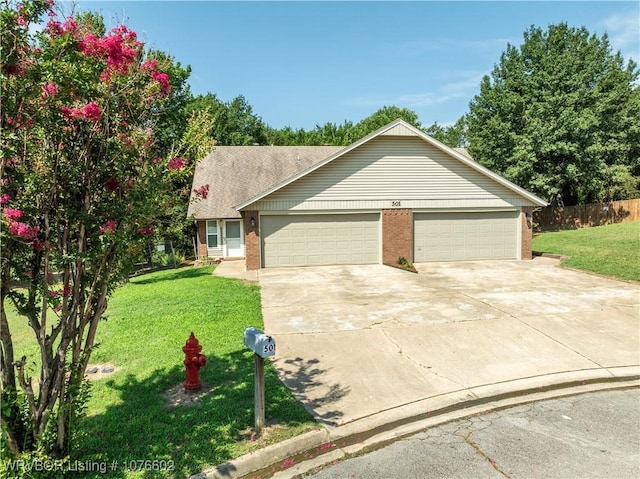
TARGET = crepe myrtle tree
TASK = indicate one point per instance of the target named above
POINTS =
(82, 183)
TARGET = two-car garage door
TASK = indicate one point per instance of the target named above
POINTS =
(313, 240)
(324, 239)
(465, 236)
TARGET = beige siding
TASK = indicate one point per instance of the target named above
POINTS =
(392, 168)
(399, 130)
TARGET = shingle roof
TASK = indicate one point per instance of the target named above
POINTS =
(237, 173)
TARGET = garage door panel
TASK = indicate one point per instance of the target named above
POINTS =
(462, 236)
(309, 240)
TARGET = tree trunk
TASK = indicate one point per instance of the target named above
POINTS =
(10, 417)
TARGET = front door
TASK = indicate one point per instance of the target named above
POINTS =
(233, 239)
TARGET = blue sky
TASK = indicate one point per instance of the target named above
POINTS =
(302, 63)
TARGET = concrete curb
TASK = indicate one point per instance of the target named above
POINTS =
(313, 449)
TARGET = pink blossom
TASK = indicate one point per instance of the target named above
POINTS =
(108, 228)
(147, 230)
(58, 308)
(70, 26)
(119, 48)
(69, 113)
(12, 214)
(149, 65)
(53, 294)
(66, 291)
(90, 45)
(203, 191)
(22, 21)
(49, 89)
(17, 228)
(4, 199)
(176, 163)
(91, 111)
(54, 28)
(163, 79)
(157, 160)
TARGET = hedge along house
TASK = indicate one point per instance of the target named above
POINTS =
(395, 193)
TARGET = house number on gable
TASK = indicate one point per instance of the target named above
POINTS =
(395, 203)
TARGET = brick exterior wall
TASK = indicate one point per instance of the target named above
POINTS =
(202, 239)
(251, 240)
(397, 235)
(527, 233)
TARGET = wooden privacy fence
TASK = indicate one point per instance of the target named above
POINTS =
(554, 218)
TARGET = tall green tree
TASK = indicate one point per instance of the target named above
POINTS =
(381, 117)
(452, 135)
(235, 123)
(560, 116)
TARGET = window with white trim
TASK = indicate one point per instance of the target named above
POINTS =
(212, 234)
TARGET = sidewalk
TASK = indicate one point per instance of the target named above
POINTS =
(235, 269)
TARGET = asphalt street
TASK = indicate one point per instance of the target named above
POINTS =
(594, 435)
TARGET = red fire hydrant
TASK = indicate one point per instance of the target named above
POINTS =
(193, 361)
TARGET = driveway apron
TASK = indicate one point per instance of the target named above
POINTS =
(355, 342)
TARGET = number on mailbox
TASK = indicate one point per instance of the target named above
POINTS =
(258, 342)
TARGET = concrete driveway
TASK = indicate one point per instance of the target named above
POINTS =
(374, 344)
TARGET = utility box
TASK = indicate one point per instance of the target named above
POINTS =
(258, 342)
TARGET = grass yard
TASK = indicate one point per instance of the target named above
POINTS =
(612, 250)
(149, 321)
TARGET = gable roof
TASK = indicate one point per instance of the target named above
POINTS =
(398, 127)
(235, 173)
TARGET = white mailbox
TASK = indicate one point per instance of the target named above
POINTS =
(258, 342)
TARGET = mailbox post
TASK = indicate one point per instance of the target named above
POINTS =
(262, 346)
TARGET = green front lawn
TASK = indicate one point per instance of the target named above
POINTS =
(149, 321)
(612, 250)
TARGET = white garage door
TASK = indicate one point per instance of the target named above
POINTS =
(465, 236)
(313, 240)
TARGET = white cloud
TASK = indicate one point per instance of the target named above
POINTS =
(624, 33)
(464, 85)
